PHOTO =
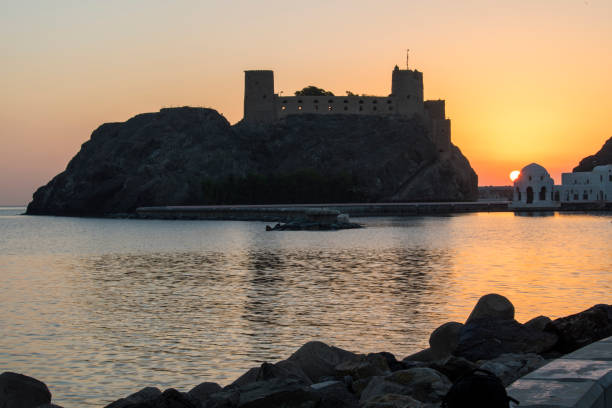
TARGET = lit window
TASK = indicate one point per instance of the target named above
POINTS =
(284, 107)
(299, 108)
(329, 108)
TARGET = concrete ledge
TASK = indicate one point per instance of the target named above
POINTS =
(582, 379)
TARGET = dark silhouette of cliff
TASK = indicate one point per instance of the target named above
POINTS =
(184, 156)
(601, 158)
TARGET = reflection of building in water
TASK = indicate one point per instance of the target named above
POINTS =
(261, 104)
(534, 188)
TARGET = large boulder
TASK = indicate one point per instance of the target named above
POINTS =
(170, 398)
(424, 384)
(453, 367)
(282, 369)
(144, 395)
(444, 340)
(278, 393)
(510, 367)
(484, 339)
(363, 366)
(580, 329)
(335, 394)
(21, 391)
(203, 391)
(318, 360)
(492, 306)
(183, 156)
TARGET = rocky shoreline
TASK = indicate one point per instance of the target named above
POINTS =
(321, 376)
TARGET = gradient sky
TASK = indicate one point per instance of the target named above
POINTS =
(524, 80)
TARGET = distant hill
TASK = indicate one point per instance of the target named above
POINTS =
(183, 156)
(602, 157)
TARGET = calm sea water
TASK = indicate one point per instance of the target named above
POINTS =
(99, 308)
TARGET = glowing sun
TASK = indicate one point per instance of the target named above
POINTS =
(514, 174)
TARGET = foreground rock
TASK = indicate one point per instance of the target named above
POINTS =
(318, 375)
(21, 391)
(183, 156)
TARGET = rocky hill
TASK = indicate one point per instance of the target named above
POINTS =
(183, 156)
(602, 157)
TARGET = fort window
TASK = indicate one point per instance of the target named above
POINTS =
(361, 108)
(575, 197)
(329, 108)
(284, 101)
(388, 101)
(316, 101)
(529, 178)
(361, 101)
(346, 108)
(264, 96)
(588, 181)
(331, 101)
(345, 101)
(585, 196)
(390, 108)
(317, 107)
(374, 108)
(299, 101)
(374, 101)
(299, 108)
(610, 177)
(284, 107)
(408, 97)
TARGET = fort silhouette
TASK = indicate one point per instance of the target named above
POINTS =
(262, 105)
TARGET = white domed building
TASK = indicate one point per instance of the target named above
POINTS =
(535, 189)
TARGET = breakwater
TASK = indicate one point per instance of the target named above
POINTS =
(284, 213)
(318, 375)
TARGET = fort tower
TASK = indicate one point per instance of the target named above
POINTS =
(259, 98)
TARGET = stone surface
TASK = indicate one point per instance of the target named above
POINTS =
(425, 355)
(21, 391)
(600, 350)
(363, 367)
(145, 394)
(510, 367)
(602, 157)
(538, 323)
(424, 384)
(392, 401)
(484, 339)
(278, 393)
(202, 391)
(443, 341)
(335, 394)
(581, 329)
(182, 156)
(559, 394)
(267, 371)
(492, 306)
(318, 360)
(453, 367)
(170, 398)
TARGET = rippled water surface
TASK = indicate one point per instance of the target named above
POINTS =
(99, 308)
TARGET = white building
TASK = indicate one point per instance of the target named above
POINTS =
(587, 186)
(534, 188)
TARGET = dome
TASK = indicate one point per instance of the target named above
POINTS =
(534, 169)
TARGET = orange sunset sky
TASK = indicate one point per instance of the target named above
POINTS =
(524, 80)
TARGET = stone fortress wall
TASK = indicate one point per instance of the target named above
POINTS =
(262, 105)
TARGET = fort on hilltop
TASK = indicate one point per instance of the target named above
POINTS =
(262, 105)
